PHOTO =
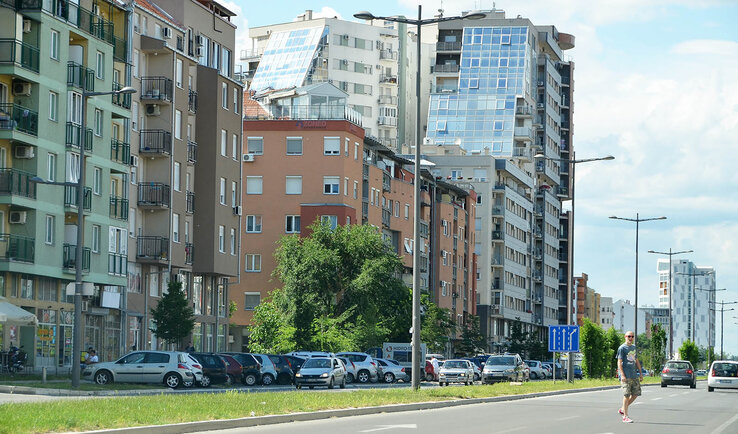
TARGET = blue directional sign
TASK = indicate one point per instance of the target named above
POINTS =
(563, 339)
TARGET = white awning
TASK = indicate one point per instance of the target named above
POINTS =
(10, 313)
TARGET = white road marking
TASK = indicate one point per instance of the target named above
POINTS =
(567, 418)
(722, 427)
(671, 396)
(636, 403)
(655, 399)
(386, 427)
(685, 393)
(511, 430)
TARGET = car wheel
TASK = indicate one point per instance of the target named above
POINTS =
(533, 376)
(440, 384)
(363, 376)
(389, 377)
(230, 380)
(284, 378)
(343, 383)
(249, 379)
(428, 377)
(205, 382)
(349, 378)
(297, 386)
(172, 380)
(103, 377)
(477, 377)
(710, 389)
(330, 383)
(311, 387)
(693, 386)
(267, 379)
(663, 384)
(188, 384)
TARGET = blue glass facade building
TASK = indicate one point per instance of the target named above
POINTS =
(287, 58)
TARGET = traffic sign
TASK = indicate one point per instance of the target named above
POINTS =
(563, 339)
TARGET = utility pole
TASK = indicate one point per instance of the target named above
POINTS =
(722, 311)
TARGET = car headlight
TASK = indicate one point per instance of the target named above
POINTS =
(298, 375)
(324, 375)
(462, 374)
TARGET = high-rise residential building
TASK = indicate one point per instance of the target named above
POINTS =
(624, 318)
(587, 301)
(692, 301)
(502, 87)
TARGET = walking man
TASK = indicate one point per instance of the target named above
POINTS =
(630, 378)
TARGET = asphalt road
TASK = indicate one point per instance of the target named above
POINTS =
(671, 410)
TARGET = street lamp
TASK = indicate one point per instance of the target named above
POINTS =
(637, 220)
(570, 271)
(692, 325)
(77, 341)
(722, 320)
(364, 15)
(671, 287)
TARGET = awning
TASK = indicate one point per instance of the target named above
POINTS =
(10, 313)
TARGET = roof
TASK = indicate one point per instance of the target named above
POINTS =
(159, 12)
(252, 109)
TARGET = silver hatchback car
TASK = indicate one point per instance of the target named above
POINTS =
(170, 368)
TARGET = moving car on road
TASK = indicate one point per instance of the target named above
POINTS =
(321, 371)
(678, 372)
(723, 374)
(456, 371)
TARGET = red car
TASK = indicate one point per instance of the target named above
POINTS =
(233, 369)
(430, 375)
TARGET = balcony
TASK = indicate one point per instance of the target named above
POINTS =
(155, 142)
(444, 89)
(118, 208)
(120, 152)
(152, 248)
(565, 125)
(190, 202)
(445, 69)
(156, 89)
(387, 121)
(70, 197)
(524, 111)
(17, 248)
(120, 49)
(387, 79)
(498, 210)
(121, 99)
(386, 181)
(153, 195)
(565, 81)
(497, 235)
(14, 117)
(365, 207)
(448, 46)
(80, 76)
(15, 52)
(15, 182)
(387, 55)
(69, 258)
(191, 152)
(562, 191)
(524, 133)
(189, 253)
(386, 216)
(523, 153)
(537, 233)
(387, 100)
(192, 101)
(365, 171)
(74, 136)
(537, 277)
(117, 264)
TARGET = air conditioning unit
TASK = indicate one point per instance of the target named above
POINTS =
(153, 109)
(23, 151)
(237, 210)
(21, 88)
(134, 160)
(247, 158)
(198, 40)
(85, 305)
(427, 140)
(199, 51)
(17, 217)
(166, 33)
(26, 26)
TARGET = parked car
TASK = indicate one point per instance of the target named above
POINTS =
(578, 372)
(547, 368)
(268, 370)
(234, 370)
(170, 368)
(309, 354)
(701, 372)
(678, 372)
(430, 373)
(366, 367)
(557, 370)
(251, 368)
(391, 371)
(350, 369)
(196, 368)
(503, 367)
(284, 368)
(536, 370)
(456, 371)
(477, 368)
(723, 374)
(295, 362)
(213, 368)
(321, 371)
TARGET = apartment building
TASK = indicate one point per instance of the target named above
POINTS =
(50, 53)
(499, 87)
(607, 315)
(588, 303)
(624, 318)
(184, 179)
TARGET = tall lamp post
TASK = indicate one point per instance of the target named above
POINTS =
(570, 281)
(709, 320)
(364, 15)
(671, 287)
(637, 220)
(77, 340)
(722, 311)
(693, 334)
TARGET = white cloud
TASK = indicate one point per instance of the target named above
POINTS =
(327, 12)
(243, 42)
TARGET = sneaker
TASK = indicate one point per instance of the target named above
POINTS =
(620, 410)
(626, 419)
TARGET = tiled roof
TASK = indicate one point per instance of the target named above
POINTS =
(252, 109)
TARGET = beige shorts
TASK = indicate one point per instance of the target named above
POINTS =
(631, 387)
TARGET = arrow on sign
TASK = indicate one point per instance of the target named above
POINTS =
(386, 427)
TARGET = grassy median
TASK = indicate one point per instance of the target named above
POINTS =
(100, 413)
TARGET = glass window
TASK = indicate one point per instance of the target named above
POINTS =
(221, 239)
(53, 106)
(294, 145)
(98, 122)
(96, 238)
(223, 144)
(97, 181)
(51, 173)
(100, 65)
(234, 147)
(50, 223)
(253, 224)
(331, 184)
(175, 227)
(54, 52)
(331, 145)
(253, 263)
(233, 241)
(331, 220)
(178, 124)
(251, 300)
(177, 176)
(254, 184)
(178, 73)
(292, 224)
(255, 145)
(235, 100)
(224, 96)
(293, 185)
(222, 191)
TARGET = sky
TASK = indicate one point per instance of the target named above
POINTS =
(656, 86)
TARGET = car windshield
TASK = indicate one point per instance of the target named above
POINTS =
(677, 365)
(317, 363)
(725, 369)
(501, 361)
(455, 364)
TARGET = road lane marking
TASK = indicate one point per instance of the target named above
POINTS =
(511, 430)
(655, 399)
(387, 427)
(671, 396)
(722, 427)
(685, 393)
(567, 418)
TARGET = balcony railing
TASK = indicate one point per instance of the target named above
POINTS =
(445, 68)
(70, 197)
(69, 258)
(14, 117)
(386, 78)
(388, 55)
(443, 89)
(448, 46)
(117, 264)
(15, 182)
(155, 142)
(153, 194)
(386, 215)
(190, 202)
(16, 248)
(388, 121)
(386, 181)
(497, 235)
(120, 49)
(156, 88)
(19, 53)
(154, 248)
(311, 112)
(388, 99)
(192, 101)
(191, 152)
(121, 99)
(80, 76)
(524, 110)
(120, 152)
(118, 208)
(74, 136)
(189, 253)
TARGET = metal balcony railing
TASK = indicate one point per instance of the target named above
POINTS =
(70, 197)
(191, 152)
(388, 99)
(120, 152)
(386, 181)
(156, 142)
(156, 88)
(19, 53)
(69, 258)
(80, 76)
(387, 121)
(445, 68)
(14, 117)
(386, 215)
(192, 101)
(15, 182)
(388, 54)
(448, 46)
(365, 207)
(386, 78)
(120, 49)
(117, 264)
(497, 235)
(16, 248)
(74, 136)
(153, 194)
(121, 99)
(118, 208)
(189, 253)
(156, 248)
(190, 202)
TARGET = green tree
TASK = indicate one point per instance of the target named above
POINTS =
(593, 348)
(643, 346)
(472, 342)
(613, 340)
(436, 325)
(173, 317)
(518, 339)
(333, 334)
(270, 332)
(658, 348)
(689, 351)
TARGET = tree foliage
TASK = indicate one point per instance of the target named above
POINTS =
(658, 348)
(689, 351)
(270, 332)
(436, 326)
(594, 349)
(173, 316)
(613, 340)
(472, 342)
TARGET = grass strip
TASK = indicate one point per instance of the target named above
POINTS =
(103, 413)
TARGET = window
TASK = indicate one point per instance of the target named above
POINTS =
(294, 145)
(233, 241)
(224, 96)
(178, 124)
(100, 65)
(235, 100)
(356, 189)
(397, 209)
(178, 73)
(221, 239)
(253, 184)
(177, 177)
(331, 145)
(135, 62)
(331, 184)
(96, 238)
(175, 227)
(54, 52)
(292, 224)
(345, 186)
(331, 220)
(97, 181)
(50, 223)
(253, 263)
(407, 211)
(356, 151)
(234, 191)
(222, 191)
(253, 224)
(473, 83)
(134, 116)
(223, 144)
(53, 106)
(187, 231)
(293, 185)
(234, 147)
(346, 147)
(98, 122)
(251, 300)
(255, 145)
(51, 173)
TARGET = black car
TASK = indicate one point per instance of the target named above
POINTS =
(213, 368)
(285, 374)
(295, 362)
(251, 369)
(678, 372)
